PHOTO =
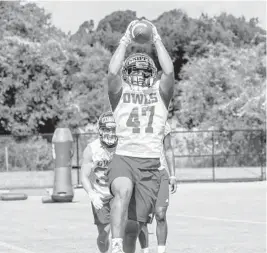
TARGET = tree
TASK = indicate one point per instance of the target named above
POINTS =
(28, 86)
(85, 34)
(26, 21)
(225, 89)
(86, 97)
(117, 21)
(45, 77)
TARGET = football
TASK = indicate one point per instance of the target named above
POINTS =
(141, 32)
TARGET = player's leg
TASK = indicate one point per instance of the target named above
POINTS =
(144, 239)
(160, 212)
(103, 237)
(102, 220)
(162, 228)
(135, 224)
(121, 187)
(132, 230)
(142, 204)
(133, 227)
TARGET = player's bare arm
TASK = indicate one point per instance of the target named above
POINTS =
(169, 154)
(114, 77)
(167, 77)
(86, 169)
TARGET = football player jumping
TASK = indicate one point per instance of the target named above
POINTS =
(167, 162)
(140, 108)
(96, 157)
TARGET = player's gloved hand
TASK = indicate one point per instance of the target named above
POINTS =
(155, 35)
(96, 200)
(127, 37)
(173, 184)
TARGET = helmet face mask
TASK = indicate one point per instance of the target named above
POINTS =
(139, 71)
(107, 130)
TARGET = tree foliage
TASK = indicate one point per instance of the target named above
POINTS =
(225, 89)
(50, 79)
(44, 76)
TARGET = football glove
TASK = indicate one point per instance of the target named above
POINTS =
(127, 37)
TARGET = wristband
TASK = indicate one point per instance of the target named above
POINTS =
(173, 177)
(125, 40)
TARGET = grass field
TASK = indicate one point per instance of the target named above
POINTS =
(203, 218)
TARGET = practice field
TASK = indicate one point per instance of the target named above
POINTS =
(203, 218)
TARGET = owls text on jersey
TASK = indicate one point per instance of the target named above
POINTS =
(101, 158)
(140, 119)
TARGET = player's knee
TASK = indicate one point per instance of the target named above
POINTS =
(132, 229)
(160, 214)
(122, 187)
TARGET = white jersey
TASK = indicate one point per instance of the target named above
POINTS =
(101, 158)
(163, 162)
(140, 120)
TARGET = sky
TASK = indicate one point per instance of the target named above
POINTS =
(69, 15)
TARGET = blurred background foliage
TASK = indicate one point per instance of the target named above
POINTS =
(50, 79)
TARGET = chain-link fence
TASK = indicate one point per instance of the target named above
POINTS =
(200, 155)
(235, 155)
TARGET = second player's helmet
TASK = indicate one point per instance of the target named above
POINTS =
(139, 70)
(107, 130)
